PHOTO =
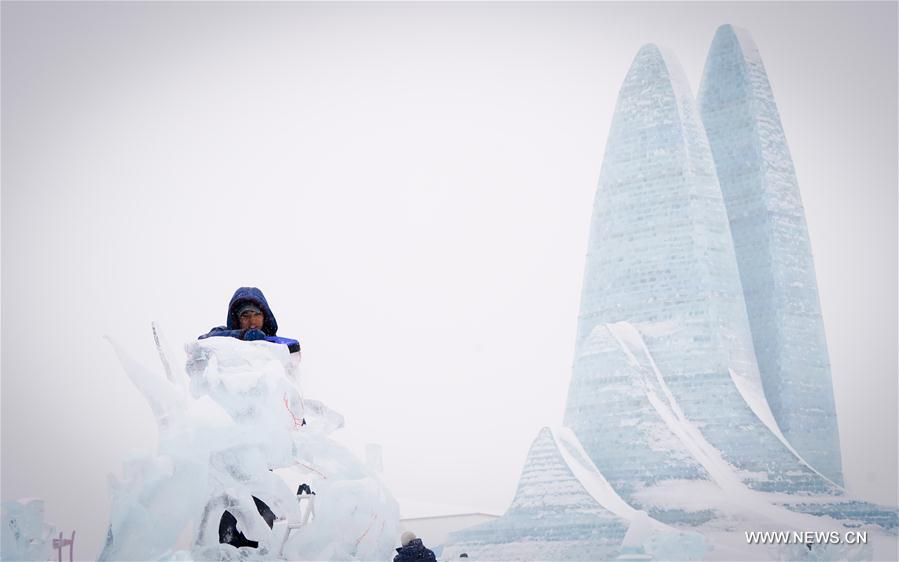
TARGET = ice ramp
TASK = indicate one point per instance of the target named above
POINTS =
(563, 510)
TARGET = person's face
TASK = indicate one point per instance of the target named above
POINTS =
(250, 320)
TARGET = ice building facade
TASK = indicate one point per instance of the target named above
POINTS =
(772, 246)
(667, 399)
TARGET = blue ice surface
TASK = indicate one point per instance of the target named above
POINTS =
(774, 255)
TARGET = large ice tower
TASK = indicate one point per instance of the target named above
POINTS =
(661, 258)
(669, 429)
(772, 246)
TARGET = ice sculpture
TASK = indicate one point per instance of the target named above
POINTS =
(233, 427)
(661, 258)
(25, 536)
(666, 399)
(772, 246)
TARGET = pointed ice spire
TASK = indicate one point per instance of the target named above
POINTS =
(772, 246)
(551, 504)
(659, 239)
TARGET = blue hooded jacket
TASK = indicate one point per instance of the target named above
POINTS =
(251, 295)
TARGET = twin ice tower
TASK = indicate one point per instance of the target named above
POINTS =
(701, 372)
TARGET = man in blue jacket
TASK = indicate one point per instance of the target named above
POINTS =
(251, 319)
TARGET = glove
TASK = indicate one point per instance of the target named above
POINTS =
(253, 335)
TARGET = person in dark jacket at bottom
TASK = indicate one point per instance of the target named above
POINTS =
(249, 319)
(413, 550)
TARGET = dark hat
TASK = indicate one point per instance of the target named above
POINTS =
(247, 307)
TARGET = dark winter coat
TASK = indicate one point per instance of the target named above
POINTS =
(414, 552)
(232, 329)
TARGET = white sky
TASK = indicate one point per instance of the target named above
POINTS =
(411, 187)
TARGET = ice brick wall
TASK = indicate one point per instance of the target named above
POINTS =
(646, 452)
(772, 246)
